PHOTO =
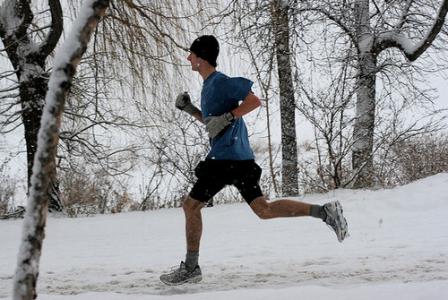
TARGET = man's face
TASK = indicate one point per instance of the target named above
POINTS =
(194, 60)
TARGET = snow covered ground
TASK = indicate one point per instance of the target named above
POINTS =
(398, 248)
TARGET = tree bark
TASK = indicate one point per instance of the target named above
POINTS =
(280, 17)
(27, 270)
(363, 130)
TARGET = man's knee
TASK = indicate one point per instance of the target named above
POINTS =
(191, 205)
(262, 208)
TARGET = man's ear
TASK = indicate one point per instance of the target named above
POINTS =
(202, 61)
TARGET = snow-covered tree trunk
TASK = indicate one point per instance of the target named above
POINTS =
(363, 130)
(280, 18)
(29, 60)
(66, 62)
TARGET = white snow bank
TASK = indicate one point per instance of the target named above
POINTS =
(398, 248)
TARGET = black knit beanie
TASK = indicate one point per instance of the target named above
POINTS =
(207, 48)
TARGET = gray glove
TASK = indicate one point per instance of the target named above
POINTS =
(183, 102)
(214, 125)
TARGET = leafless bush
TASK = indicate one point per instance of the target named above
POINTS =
(122, 202)
(417, 157)
(398, 160)
(89, 194)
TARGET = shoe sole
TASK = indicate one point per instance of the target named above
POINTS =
(341, 221)
(195, 279)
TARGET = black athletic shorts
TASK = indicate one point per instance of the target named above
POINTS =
(214, 175)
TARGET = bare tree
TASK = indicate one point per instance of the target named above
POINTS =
(375, 28)
(28, 45)
(250, 24)
(110, 97)
(263, 31)
(328, 110)
(67, 61)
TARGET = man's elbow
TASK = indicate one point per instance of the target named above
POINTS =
(255, 101)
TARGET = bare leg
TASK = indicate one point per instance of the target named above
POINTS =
(279, 208)
(193, 223)
(189, 270)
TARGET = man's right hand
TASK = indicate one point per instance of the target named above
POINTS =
(183, 102)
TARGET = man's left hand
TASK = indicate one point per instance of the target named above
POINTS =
(214, 125)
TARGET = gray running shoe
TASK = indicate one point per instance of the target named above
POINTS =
(335, 219)
(181, 275)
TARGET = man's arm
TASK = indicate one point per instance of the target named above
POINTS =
(249, 103)
(214, 125)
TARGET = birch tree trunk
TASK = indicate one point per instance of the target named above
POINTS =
(29, 62)
(66, 62)
(363, 130)
(280, 18)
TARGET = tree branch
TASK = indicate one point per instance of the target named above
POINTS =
(143, 14)
(57, 26)
(412, 50)
(333, 18)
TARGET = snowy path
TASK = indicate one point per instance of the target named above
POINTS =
(398, 243)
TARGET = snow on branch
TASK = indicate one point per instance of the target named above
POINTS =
(66, 62)
(411, 49)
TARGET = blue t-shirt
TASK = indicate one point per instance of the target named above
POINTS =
(221, 94)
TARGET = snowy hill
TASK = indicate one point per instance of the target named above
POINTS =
(398, 247)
